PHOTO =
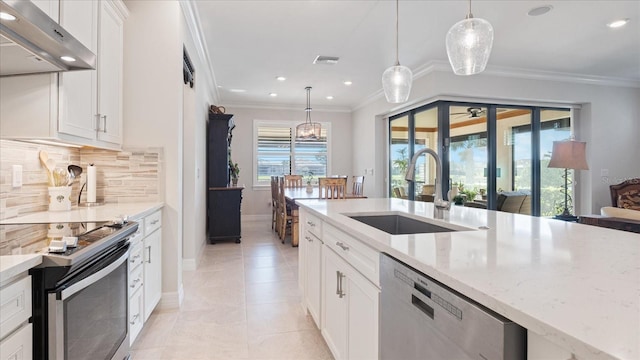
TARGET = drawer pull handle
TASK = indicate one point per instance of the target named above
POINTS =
(133, 319)
(310, 223)
(154, 222)
(308, 239)
(342, 246)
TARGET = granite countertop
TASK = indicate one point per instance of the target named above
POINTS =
(106, 212)
(576, 285)
(11, 265)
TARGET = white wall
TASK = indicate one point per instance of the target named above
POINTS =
(609, 122)
(196, 108)
(256, 202)
(153, 116)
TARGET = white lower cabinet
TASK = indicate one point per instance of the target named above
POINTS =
(16, 334)
(349, 309)
(313, 255)
(152, 271)
(145, 272)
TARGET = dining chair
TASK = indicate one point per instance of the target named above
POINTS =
(283, 212)
(357, 187)
(293, 181)
(274, 202)
(332, 188)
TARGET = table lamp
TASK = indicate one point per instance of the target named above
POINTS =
(568, 155)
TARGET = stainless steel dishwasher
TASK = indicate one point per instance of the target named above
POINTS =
(423, 319)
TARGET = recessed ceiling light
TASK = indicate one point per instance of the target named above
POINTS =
(238, 90)
(273, 94)
(7, 16)
(618, 23)
(219, 86)
(540, 10)
(67, 58)
(281, 78)
(348, 82)
(329, 97)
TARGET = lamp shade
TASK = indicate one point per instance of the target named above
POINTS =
(569, 155)
(396, 83)
(469, 43)
(308, 131)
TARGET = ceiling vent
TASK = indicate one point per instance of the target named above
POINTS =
(328, 60)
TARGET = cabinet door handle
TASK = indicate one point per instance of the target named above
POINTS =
(133, 319)
(341, 293)
(104, 129)
(337, 282)
(308, 239)
(343, 246)
(149, 254)
(312, 224)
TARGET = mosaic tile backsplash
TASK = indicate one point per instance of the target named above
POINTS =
(122, 176)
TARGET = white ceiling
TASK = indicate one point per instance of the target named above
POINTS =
(252, 42)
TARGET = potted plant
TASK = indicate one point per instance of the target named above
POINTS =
(309, 177)
(234, 171)
(458, 200)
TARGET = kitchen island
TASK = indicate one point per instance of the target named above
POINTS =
(573, 285)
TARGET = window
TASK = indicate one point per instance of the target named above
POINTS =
(277, 152)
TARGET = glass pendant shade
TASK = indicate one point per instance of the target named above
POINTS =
(469, 45)
(308, 131)
(396, 83)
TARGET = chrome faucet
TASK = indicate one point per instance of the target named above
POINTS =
(438, 202)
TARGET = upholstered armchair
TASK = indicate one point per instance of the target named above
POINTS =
(625, 200)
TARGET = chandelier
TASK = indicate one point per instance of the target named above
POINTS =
(308, 131)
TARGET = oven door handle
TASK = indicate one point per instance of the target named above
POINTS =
(67, 292)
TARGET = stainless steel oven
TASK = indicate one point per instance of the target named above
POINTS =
(80, 298)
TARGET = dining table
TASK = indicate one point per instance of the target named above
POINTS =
(299, 193)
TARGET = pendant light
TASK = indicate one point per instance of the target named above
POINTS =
(469, 44)
(396, 80)
(308, 131)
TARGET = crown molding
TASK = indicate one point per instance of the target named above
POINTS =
(519, 73)
(121, 8)
(289, 107)
(192, 20)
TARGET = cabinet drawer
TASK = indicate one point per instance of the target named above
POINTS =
(363, 258)
(136, 279)
(15, 305)
(136, 304)
(18, 346)
(152, 222)
(136, 256)
(313, 225)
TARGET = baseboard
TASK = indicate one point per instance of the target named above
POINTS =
(256, 217)
(171, 300)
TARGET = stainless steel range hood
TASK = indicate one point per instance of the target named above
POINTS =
(35, 43)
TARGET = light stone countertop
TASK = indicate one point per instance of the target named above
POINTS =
(106, 212)
(11, 265)
(575, 285)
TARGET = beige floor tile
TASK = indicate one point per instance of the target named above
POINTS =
(276, 318)
(241, 303)
(264, 275)
(299, 345)
(280, 291)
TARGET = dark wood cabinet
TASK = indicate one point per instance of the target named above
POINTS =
(223, 202)
(224, 213)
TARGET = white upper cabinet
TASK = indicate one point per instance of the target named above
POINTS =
(78, 107)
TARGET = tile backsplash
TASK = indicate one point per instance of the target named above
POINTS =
(122, 176)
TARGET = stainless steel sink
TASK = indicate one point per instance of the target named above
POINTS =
(396, 224)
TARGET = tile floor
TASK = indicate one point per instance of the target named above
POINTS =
(242, 302)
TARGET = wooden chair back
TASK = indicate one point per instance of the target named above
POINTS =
(332, 188)
(626, 194)
(357, 188)
(274, 201)
(293, 181)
